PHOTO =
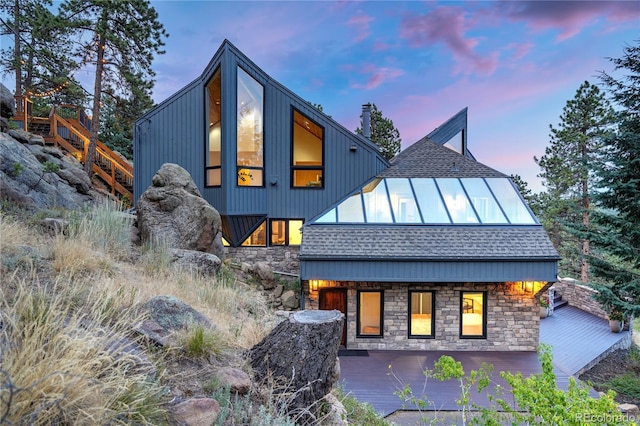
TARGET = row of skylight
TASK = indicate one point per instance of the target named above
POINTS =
(433, 201)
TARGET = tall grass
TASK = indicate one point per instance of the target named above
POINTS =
(60, 366)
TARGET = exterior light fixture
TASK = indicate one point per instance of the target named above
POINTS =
(314, 285)
(353, 147)
(527, 287)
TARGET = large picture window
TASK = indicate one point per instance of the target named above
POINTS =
(307, 164)
(286, 232)
(257, 237)
(370, 313)
(214, 140)
(250, 149)
(421, 314)
(473, 311)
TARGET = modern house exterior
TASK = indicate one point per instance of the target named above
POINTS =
(429, 251)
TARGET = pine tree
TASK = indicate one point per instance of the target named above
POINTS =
(568, 172)
(383, 133)
(617, 265)
(120, 39)
(40, 56)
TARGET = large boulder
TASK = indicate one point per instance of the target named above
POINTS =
(7, 106)
(172, 211)
(206, 264)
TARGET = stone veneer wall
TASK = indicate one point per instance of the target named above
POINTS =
(513, 319)
(580, 296)
(280, 258)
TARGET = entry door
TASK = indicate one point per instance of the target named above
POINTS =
(335, 298)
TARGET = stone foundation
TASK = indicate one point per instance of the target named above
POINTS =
(513, 318)
(280, 258)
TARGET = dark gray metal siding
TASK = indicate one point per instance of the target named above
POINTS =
(428, 271)
(174, 132)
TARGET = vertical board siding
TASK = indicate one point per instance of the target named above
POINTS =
(176, 133)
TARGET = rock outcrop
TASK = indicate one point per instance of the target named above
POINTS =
(173, 211)
(32, 174)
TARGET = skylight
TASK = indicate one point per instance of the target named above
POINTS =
(433, 201)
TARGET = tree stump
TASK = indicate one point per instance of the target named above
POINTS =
(300, 357)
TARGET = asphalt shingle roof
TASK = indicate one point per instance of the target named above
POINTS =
(427, 159)
(393, 242)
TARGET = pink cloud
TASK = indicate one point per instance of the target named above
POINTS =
(446, 25)
(361, 22)
(570, 17)
(377, 76)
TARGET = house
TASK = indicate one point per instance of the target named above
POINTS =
(430, 251)
(265, 158)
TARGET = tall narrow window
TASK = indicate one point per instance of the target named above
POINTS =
(473, 311)
(370, 313)
(250, 149)
(214, 140)
(421, 310)
(307, 165)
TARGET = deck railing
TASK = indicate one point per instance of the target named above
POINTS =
(72, 135)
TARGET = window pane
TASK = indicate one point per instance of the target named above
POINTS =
(421, 313)
(328, 217)
(403, 203)
(456, 201)
(249, 126)
(350, 210)
(258, 237)
(249, 177)
(278, 236)
(214, 143)
(473, 314)
(455, 143)
(308, 177)
(510, 201)
(431, 206)
(213, 177)
(295, 232)
(376, 202)
(370, 313)
(483, 201)
(307, 151)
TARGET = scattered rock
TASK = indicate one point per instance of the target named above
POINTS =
(277, 292)
(264, 273)
(290, 300)
(337, 414)
(54, 225)
(628, 408)
(173, 211)
(196, 412)
(237, 380)
(206, 264)
(167, 315)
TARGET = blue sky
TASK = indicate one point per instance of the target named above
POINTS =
(513, 64)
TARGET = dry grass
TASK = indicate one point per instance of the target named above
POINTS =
(66, 296)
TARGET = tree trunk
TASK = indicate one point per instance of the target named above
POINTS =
(90, 156)
(584, 267)
(17, 51)
(300, 357)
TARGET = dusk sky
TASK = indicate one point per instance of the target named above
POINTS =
(513, 64)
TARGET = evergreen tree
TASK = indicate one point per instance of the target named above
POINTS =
(119, 38)
(568, 172)
(617, 266)
(40, 56)
(383, 133)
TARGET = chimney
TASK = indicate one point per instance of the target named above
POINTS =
(366, 121)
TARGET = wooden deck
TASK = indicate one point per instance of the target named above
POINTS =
(576, 337)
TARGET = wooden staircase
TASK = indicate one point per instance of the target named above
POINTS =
(70, 132)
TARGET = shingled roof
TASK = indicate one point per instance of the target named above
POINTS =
(427, 159)
(418, 242)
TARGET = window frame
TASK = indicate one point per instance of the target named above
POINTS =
(207, 113)
(287, 222)
(433, 316)
(294, 167)
(358, 315)
(484, 314)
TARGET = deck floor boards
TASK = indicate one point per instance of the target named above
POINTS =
(576, 337)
